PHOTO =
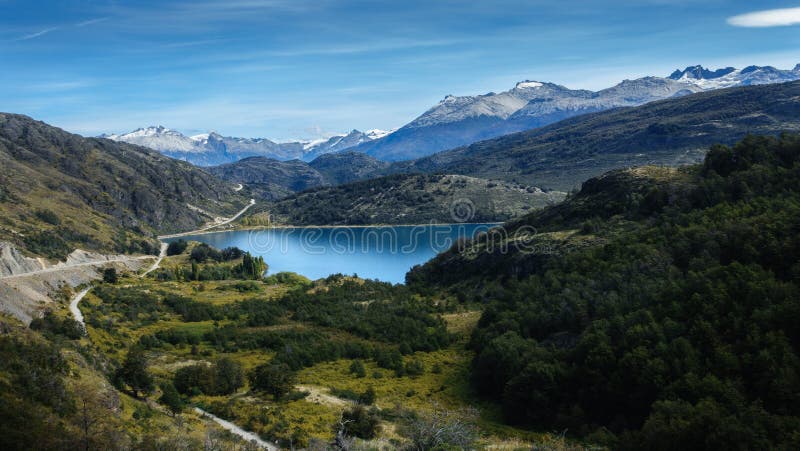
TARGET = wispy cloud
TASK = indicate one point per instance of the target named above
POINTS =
(378, 46)
(767, 18)
(44, 31)
(60, 85)
(36, 34)
(91, 21)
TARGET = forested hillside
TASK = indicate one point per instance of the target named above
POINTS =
(654, 309)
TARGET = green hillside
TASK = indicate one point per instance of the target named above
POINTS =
(409, 199)
(655, 309)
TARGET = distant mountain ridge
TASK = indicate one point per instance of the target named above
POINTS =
(458, 121)
(669, 132)
(210, 149)
(462, 120)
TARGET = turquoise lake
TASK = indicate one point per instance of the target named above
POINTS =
(383, 252)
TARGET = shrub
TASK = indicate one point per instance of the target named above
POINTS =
(361, 422)
(177, 247)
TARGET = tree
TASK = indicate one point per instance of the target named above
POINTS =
(275, 379)
(252, 267)
(133, 372)
(171, 398)
(177, 247)
(361, 422)
(228, 376)
(110, 275)
(93, 403)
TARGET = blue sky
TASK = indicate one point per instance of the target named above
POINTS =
(299, 69)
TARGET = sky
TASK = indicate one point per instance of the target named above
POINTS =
(287, 69)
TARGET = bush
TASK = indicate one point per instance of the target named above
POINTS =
(51, 323)
(48, 217)
(442, 429)
(223, 377)
(110, 275)
(357, 369)
(274, 379)
(177, 247)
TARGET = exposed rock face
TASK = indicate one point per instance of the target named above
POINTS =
(13, 262)
(30, 285)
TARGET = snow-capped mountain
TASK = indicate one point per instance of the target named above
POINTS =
(159, 138)
(461, 120)
(730, 77)
(457, 121)
(209, 149)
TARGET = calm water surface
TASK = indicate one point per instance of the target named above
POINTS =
(383, 253)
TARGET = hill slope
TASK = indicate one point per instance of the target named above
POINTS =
(655, 309)
(410, 199)
(59, 191)
(668, 132)
(271, 179)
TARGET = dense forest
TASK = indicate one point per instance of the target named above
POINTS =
(666, 319)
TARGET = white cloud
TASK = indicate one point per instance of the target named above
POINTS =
(767, 18)
(91, 21)
(36, 34)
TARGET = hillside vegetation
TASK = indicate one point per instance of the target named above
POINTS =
(654, 309)
(60, 191)
(288, 358)
(409, 199)
(669, 132)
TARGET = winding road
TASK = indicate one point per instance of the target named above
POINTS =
(76, 312)
(73, 306)
(212, 226)
(248, 436)
(62, 267)
(161, 254)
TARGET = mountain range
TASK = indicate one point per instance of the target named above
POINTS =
(461, 120)
(671, 132)
(561, 156)
(458, 121)
(210, 149)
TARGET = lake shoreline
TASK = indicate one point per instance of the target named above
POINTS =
(360, 226)
(384, 253)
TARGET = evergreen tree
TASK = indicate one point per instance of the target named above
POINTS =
(171, 398)
(133, 372)
(275, 379)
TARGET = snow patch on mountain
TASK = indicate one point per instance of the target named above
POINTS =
(208, 149)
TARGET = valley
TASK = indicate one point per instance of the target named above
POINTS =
(284, 357)
(539, 268)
